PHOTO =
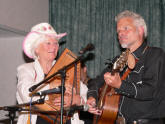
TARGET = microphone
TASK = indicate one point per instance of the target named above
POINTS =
(56, 90)
(33, 87)
(89, 47)
(62, 42)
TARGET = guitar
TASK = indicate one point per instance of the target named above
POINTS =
(109, 99)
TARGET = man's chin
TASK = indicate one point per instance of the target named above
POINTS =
(124, 45)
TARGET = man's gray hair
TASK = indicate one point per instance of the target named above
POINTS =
(139, 21)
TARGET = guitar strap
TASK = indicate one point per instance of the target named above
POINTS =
(128, 69)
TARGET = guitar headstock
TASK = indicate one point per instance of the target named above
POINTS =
(121, 61)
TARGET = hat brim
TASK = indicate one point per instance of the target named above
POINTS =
(58, 36)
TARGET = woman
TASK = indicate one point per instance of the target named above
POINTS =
(41, 44)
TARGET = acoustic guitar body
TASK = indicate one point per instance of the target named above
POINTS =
(110, 108)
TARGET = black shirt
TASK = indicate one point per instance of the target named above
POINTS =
(142, 91)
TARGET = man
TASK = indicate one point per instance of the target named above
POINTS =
(141, 92)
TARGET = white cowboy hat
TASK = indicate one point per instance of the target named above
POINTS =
(36, 32)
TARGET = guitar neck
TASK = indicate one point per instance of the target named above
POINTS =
(101, 99)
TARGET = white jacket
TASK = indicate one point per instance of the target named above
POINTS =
(30, 74)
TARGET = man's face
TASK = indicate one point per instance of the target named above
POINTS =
(128, 33)
(48, 49)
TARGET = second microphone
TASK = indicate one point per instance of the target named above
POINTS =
(56, 90)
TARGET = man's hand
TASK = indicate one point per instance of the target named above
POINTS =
(112, 80)
(91, 102)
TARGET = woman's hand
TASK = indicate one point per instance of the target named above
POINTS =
(76, 99)
(68, 89)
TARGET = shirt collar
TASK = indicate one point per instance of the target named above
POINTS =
(39, 68)
(138, 52)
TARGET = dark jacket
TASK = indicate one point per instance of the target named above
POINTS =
(143, 94)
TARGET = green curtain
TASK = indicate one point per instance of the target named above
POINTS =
(93, 21)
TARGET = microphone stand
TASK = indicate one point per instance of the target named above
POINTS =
(62, 71)
(63, 75)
